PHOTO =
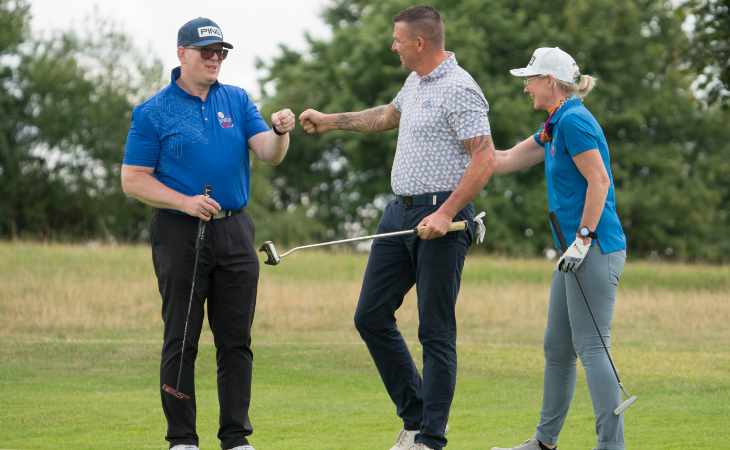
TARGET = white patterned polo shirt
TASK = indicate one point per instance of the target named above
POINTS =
(437, 112)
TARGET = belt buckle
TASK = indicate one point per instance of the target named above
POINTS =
(408, 201)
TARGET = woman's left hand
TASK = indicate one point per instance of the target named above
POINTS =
(574, 256)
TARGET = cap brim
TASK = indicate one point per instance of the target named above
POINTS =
(211, 42)
(524, 72)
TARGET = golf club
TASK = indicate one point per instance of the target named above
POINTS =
(273, 257)
(563, 247)
(200, 239)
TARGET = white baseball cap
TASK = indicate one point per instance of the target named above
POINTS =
(550, 61)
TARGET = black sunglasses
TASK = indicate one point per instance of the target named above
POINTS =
(207, 52)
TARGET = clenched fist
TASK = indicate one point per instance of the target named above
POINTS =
(283, 121)
(313, 121)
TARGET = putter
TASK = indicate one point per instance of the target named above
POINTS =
(563, 247)
(273, 258)
(175, 391)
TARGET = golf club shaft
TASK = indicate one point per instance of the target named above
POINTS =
(199, 239)
(563, 248)
(455, 226)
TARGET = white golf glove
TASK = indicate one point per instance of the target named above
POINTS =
(481, 229)
(574, 256)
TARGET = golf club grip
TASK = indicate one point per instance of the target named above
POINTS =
(201, 233)
(207, 190)
(556, 227)
(457, 226)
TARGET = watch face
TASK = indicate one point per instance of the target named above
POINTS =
(585, 232)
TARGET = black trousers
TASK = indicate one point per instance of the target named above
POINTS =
(434, 266)
(228, 271)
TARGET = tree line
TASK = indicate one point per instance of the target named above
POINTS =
(662, 98)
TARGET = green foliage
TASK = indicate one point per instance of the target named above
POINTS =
(661, 99)
(14, 17)
(669, 152)
(295, 226)
(711, 47)
(69, 100)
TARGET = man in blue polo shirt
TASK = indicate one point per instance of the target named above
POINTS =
(197, 132)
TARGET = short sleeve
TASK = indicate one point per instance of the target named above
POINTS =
(402, 94)
(466, 111)
(537, 139)
(397, 101)
(143, 142)
(253, 123)
(578, 135)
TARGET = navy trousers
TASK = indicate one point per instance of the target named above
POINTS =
(434, 266)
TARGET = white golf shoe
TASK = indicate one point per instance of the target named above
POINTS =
(185, 447)
(242, 447)
(404, 441)
(530, 444)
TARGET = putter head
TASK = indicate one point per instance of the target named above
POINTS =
(625, 405)
(272, 258)
(174, 392)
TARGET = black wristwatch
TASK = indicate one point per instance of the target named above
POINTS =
(279, 133)
(586, 232)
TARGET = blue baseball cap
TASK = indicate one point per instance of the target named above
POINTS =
(199, 33)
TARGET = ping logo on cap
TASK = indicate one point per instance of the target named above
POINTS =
(210, 31)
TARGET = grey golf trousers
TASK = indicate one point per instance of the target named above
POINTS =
(570, 332)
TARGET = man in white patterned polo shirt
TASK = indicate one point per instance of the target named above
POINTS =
(444, 157)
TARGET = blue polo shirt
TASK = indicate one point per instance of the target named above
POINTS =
(191, 143)
(574, 131)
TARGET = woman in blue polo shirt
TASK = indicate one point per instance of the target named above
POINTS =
(581, 194)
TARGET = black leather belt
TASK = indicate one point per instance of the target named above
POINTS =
(430, 199)
(223, 213)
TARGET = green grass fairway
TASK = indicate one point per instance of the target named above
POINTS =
(80, 331)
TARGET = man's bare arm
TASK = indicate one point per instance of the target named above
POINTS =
(480, 170)
(379, 118)
(481, 167)
(138, 182)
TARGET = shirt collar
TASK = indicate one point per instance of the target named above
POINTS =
(572, 102)
(446, 66)
(175, 74)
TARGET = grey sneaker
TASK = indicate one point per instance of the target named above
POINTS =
(530, 444)
(420, 446)
(404, 441)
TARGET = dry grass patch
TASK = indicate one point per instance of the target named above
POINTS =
(67, 289)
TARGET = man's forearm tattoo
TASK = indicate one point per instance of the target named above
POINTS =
(477, 144)
(373, 119)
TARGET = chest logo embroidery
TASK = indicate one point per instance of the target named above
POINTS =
(226, 122)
